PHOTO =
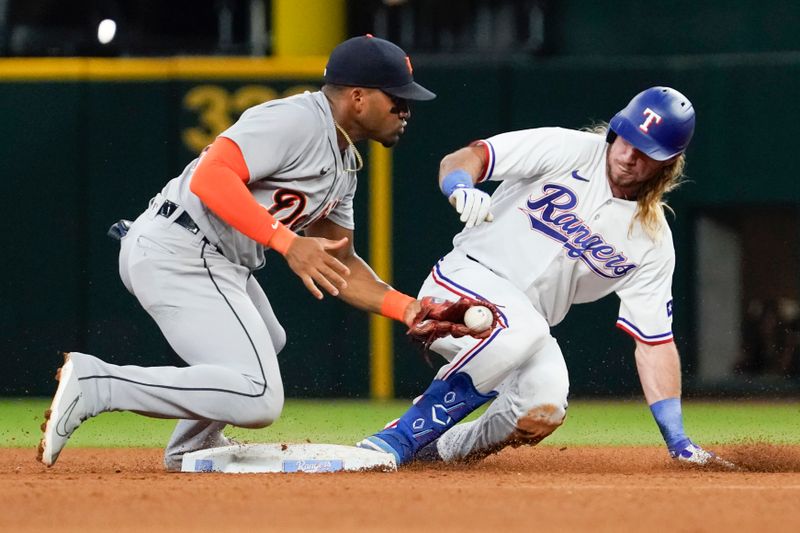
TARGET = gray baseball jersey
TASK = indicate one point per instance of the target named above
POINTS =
(296, 172)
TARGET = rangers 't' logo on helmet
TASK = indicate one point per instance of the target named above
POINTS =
(652, 116)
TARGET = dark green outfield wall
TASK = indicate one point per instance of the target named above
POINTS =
(78, 156)
(670, 27)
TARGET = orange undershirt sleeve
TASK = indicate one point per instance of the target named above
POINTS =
(219, 181)
(395, 303)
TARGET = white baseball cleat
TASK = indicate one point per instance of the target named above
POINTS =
(66, 413)
(696, 455)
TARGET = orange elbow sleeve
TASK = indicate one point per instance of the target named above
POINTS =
(220, 182)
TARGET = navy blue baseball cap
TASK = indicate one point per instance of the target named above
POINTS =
(372, 62)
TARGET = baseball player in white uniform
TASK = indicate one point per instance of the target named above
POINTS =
(286, 166)
(578, 215)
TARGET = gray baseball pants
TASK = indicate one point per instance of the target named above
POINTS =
(215, 316)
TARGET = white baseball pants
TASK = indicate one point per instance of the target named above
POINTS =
(521, 360)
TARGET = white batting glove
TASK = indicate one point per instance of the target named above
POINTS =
(473, 206)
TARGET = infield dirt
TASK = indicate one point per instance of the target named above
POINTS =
(528, 489)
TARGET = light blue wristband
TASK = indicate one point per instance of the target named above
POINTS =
(457, 179)
(670, 421)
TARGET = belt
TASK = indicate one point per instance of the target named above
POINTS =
(481, 264)
(184, 219)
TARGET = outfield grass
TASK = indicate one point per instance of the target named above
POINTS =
(603, 423)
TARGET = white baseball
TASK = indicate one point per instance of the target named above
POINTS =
(478, 318)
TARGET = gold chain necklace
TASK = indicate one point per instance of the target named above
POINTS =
(359, 160)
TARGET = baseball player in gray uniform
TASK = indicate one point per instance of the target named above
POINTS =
(285, 167)
(578, 215)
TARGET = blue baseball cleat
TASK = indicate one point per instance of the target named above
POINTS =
(378, 443)
(444, 404)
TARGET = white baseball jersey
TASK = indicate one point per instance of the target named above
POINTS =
(560, 236)
(296, 171)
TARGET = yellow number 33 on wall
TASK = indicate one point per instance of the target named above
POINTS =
(216, 109)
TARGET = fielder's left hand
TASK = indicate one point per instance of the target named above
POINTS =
(473, 206)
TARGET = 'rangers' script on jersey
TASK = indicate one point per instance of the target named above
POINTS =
(552, 215)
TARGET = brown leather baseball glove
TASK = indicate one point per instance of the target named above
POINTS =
(439, 318)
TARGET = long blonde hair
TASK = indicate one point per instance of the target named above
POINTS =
(650, 203)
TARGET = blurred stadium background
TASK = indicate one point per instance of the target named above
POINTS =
(103, 101)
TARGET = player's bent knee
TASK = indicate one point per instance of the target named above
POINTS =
(538, 422)
(264, 411)
(260, 419)
(514, 346)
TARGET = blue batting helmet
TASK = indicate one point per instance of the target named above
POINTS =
(659, 122)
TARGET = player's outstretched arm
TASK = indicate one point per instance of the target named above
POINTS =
(660, 373)
(363, 288)
(458, 173)
(427, 319)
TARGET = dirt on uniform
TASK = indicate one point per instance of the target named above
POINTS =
(528, 489)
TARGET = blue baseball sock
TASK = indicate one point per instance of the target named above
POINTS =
(670, 421)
